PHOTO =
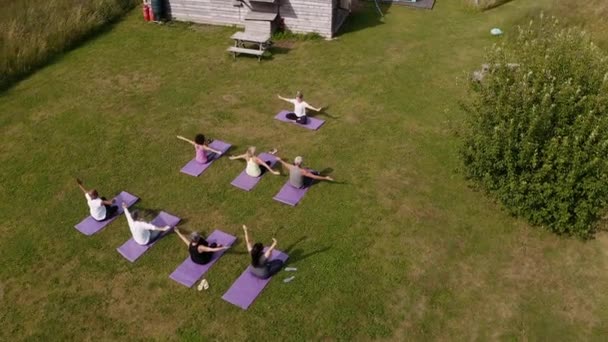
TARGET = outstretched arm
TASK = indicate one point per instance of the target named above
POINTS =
(182, 237)
(268, 252)
(262, 163)
(81, 186)
(247, 239)
(186, 140)
(313, 108)
(127, 213)
(150, 226)
(207, 148)
(287, 165)
(285, 99)
(212, 249)
(242, 156)
(309, 174)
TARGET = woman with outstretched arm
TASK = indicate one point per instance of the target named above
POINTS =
(261, 266)
(201, 148)
(99, 208)
(254, 162)
(199, 249)
(300, 177)
(299, 108)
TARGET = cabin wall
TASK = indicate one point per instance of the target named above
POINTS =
(307, 16)
(216, 12)
(300, 16)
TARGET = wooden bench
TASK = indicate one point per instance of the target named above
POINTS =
(237, 50)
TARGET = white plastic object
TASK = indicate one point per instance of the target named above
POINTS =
(496, 31)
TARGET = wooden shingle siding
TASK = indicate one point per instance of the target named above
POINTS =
(220, 12)
(304, 16)
(300, 16)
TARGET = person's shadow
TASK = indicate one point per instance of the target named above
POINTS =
(326, 172)
(324, 113)
(296, 255)
(299, 255)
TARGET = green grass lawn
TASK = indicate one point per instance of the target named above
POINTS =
(402, 250)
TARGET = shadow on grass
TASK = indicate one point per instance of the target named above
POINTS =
(323, 112)
(299, 255)
(363, 17)
(293, 244)
(278, 50)
(148, 214)
(296, 255)
(328, 171)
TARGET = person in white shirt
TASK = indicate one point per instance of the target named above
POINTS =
(100, 208)
(299, 108)
(143, 232)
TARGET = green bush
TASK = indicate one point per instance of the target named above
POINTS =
(32, 31)
(537, 133)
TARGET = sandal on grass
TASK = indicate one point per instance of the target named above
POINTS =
(204, 285)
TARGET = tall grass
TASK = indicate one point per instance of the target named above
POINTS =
(32, 31)
(591, 15)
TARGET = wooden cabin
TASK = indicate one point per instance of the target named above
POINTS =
(324, 17)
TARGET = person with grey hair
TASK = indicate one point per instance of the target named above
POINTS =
(299, 108)
(300, 177)
(200, 250)
(143, 232)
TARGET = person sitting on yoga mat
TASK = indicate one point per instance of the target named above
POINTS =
(261, 267)
(299, 108)
(100, 208)
(300, 177)
(200, 250)
(143, 232)
(201, 148)
(253, 163)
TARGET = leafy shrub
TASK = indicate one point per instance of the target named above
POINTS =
(537, 133)
(32, 31)
(288, 35)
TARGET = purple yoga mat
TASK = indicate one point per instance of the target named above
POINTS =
(246, 182)
(188, 272)
(89, 226)
(194, 168)
(131, 250)
(247, 287)
(290, 195)
(313, 123)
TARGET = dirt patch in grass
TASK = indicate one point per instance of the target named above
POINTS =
(135, 81)
(231, 99)
(285, 44)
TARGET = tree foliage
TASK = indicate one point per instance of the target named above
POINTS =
(537, 132)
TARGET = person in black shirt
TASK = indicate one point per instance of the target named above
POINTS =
(200, 250)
